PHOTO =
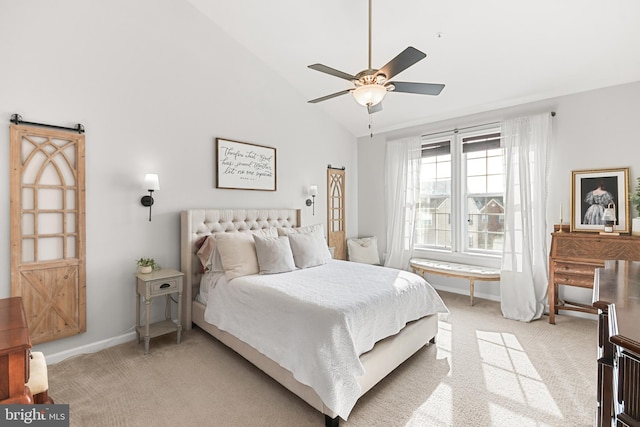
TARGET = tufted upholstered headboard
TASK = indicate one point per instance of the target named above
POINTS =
(196, 223)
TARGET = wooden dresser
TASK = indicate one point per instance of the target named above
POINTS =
(616, 295)
(573, 259)
(14, 353)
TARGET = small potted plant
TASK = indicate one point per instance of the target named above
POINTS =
(147, 265)
(634, 198)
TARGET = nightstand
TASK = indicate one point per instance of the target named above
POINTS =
(162, 282)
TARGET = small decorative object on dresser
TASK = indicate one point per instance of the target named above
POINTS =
(634, 198)
(635, 226)
(163, 282)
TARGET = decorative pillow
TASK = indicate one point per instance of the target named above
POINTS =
(238, 254)
(198, 244)
(209, 255)
(274, 254)
(266, 232)
(309, 250)
(203, 254)
(316, 228)
(364, 250)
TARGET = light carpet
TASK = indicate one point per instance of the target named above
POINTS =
(483, 371)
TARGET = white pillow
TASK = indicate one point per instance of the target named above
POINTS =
(266, 232)
(238, 254)
(364, 250)
(316, 228)
(274, 254)
(309, 250)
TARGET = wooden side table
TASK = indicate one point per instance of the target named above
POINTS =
(158, 283)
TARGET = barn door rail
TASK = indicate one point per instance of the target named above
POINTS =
(17, 120)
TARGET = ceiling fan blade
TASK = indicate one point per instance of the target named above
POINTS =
(404, 60)
(333, 95)
(374, 108)
(419, 88)
(332, 71)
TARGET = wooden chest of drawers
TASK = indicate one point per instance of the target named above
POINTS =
(573, 259)
(616, 295)
(14, 353)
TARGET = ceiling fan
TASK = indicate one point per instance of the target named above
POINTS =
(372, 85)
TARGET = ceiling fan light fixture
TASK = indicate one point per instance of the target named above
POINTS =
(369, 95)
(372, 84)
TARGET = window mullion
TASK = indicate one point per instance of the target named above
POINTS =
(458, 204)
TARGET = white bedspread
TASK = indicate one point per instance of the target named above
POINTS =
(315, 322)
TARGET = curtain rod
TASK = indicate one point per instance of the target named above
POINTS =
(456, 130)
(17, 119)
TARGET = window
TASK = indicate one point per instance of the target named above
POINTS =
(461, 202)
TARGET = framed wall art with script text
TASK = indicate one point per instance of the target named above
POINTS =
(244, 166)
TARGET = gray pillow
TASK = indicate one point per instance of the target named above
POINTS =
(274, 254)
(309, 250)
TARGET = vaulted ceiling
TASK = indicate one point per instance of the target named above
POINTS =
(489, 54)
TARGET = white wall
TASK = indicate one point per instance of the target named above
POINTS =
(594, 130)
(154, 83)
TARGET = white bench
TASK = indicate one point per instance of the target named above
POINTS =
(452, 269)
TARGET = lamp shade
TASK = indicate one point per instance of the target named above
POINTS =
(370, 94)
(151, 182)
(313, 190)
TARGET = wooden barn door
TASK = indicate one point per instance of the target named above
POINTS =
(335, 212)
(48, 230)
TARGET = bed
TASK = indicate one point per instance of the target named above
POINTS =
(371, 364)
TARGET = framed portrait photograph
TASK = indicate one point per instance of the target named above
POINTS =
(597, 192)
(244, 166)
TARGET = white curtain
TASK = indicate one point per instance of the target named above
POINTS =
(524, 274)
(402, 187)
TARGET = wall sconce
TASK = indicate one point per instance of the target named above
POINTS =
(313, 192)
(151, 184)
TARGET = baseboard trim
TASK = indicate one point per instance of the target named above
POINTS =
(496, 298)
(90, 348)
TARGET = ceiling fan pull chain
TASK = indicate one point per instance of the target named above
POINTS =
(370, 129)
